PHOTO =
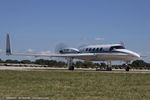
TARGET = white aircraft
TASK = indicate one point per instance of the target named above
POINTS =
(109, 53)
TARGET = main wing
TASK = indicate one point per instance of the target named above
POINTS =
(8, 52)
(76, 56)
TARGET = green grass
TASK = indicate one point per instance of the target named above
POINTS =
(75, 85)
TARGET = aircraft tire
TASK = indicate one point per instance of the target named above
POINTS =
(71, 67)
(127, 68)
(109, 69)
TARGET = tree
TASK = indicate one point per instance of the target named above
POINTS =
(12, 61)
(26, 62)
(1, 61)
(61, 64)
(50, 63)
(87, 64)
(138, 63)
(103, 65)
(79, 64)
(40, 62)
(96, 65)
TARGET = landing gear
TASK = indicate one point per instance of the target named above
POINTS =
(127, 68)
(109, 67)
(71, 68)
(69, 64)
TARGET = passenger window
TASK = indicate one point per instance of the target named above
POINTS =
(90, 49)
(86, 49)
(101, 49)
(97, 49)
(93, 49)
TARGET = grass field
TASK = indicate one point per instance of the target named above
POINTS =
(75, 85)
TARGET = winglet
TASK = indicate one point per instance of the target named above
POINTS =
(8, 48)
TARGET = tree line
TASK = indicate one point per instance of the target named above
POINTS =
(79, 64)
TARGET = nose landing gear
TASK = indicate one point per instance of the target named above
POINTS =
(109, 68)
(69, 64)
(71, 68)
(127, 67)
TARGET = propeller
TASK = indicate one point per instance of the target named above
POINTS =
(59, 47)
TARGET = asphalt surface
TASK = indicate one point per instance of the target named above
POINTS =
(65, 69)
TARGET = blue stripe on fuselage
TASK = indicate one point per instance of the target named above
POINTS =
(107, 52)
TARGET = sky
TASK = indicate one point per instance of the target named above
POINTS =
(38, 26)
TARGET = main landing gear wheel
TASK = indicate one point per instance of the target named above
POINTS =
(127, 68)
(69, 64)
(71, 68)
(109, 69)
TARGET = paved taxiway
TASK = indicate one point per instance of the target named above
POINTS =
(65, 69)
(26, 68)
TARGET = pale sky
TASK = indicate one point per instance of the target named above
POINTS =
(37, 26)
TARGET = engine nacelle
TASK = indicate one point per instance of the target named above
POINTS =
(69, 50)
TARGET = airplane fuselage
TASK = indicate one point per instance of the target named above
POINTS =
(111, 52)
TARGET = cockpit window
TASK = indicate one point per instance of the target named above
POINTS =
(116, 47)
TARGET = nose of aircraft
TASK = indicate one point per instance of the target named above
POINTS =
(136, 55)
(133, 54)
